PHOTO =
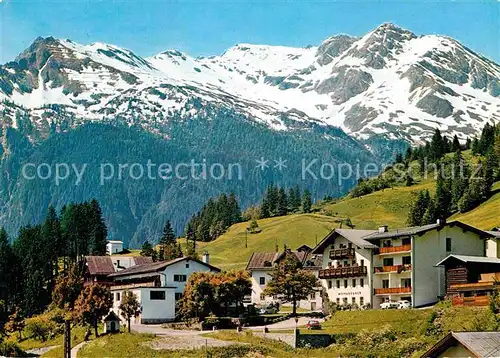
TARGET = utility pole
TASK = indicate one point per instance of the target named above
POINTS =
(67, 339)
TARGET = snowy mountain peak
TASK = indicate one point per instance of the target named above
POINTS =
(389, 82)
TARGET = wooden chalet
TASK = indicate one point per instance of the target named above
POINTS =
(470, 280)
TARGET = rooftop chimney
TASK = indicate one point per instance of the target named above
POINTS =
(382, 229)
(441, 222)
(206, 257)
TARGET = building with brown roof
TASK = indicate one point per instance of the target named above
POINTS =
(157, 285)
(98, 268)
(470, 280)
(261, 264)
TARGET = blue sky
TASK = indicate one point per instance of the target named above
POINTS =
(209, 27)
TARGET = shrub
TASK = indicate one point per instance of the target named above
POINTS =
(10, 349)
(41, 327)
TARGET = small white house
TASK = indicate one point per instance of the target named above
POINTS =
(114, 247)
(261, 264)
(111, 323)
(158, 286)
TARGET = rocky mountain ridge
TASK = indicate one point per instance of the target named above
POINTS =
(389, 82)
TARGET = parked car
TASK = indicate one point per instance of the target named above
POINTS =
(404, 304)
(389, 304)
(270, 309)
(313, 324)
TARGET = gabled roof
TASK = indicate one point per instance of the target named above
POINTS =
(405, 231)
(103, 265)
(465, 258)
(420, 230)
(481, 344)
(353, 235)
(304, 247)
(142, 260)
(261, 260)
(362, 238)
(99, 265)
(111, 317)
(157, 266)
(494, 233)
(265, 260)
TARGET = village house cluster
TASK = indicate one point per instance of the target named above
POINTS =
(158, 286)
(420, 265)
(356, 268)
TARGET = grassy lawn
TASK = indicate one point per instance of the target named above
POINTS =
(485, 216)
(131, 253)
(77, 335)
(131, 345)
(390, 333)
(229, 251)
(121, 345)
(288, 309)
(402, 321)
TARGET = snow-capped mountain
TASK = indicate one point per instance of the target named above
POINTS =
(389, 81)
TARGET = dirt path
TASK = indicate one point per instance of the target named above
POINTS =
(179, 339)
(75, 349)
(40, 351)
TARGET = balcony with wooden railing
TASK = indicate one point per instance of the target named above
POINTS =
(392, 290)
(394, 249)
(474, 286)
(343, 253)
(471, 301)
(393, 268)
(339, 272)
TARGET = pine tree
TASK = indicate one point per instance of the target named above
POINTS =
(475, 146)
(437, 146)
(147, 249)
(294, 199)
(455, 146)
(51, 238)
(167, 243)
(282, 203)
(487, 139)
(97, 230)
(409, 155)
(443, 197)
(306, 201)
(234, 209)
(168, 234)
(272, 199)
(265, 211)
(418, 208)
(7, 273)
(468, 144)
(431, 215)
(460, 181)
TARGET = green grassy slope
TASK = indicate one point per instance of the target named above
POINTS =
(385, 207)
(228, 251)
(487, 215)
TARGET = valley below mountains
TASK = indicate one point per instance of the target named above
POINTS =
(348, 100)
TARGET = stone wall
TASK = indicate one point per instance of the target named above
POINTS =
(317, 340)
